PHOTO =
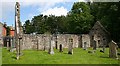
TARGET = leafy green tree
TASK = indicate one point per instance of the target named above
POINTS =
(80, 18)
(27, 27)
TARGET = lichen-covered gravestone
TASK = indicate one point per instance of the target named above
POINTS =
(85, 46)
(70, 48)
(51, 51)
(7, 44)
(61, 49)
(113, 49)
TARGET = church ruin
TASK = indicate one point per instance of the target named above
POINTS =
(41, 41)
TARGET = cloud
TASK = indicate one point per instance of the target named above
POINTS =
(39, 0)
(7, 8)
(56, 11)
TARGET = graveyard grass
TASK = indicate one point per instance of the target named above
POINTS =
(79, 56)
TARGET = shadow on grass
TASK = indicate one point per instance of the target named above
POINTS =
(14, 57)
(65, 53)
(104, 57)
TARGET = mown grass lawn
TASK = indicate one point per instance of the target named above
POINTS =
(79, 56)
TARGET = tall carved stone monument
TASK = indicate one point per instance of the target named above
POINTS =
(18, 29)
(113, 49)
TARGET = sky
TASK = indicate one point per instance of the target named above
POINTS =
(31, 8)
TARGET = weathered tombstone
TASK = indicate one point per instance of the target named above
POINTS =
(113, 49)
(85, 46)
(51, 51)
(7, 44)
(94, 45)
(61, 49)
(11, 45)
(70, 48)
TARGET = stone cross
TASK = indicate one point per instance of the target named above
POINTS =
(70, 48)
(113, 49)
(94, 45)
(61, 49)
(51, 51)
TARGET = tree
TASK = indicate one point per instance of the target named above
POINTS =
(28, 27)
(79, 18)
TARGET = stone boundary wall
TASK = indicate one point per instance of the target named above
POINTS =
(85, 38)
(42, 41)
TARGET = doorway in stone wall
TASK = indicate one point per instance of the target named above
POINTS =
(56, 45)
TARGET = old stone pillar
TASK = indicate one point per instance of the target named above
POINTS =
(51, 51)
(113, 50)
(17, 47)
(70, 48)
(20, 46)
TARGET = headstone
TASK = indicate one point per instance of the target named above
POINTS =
(94, 45)
(113, 49)
(7, 44)
(51, 51)
(12, 50)
(70, 48)
(61, 49)
(11, 46)
(85, 46)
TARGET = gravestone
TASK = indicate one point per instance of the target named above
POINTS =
(85, 46)
(94, 45)
(51, 51)
(70, 49)
(113, 49)
(11, 45)
(7, 44)
(61, 49)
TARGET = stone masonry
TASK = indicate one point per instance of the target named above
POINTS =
(41, 41)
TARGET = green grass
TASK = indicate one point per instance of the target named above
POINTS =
(79, 56)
